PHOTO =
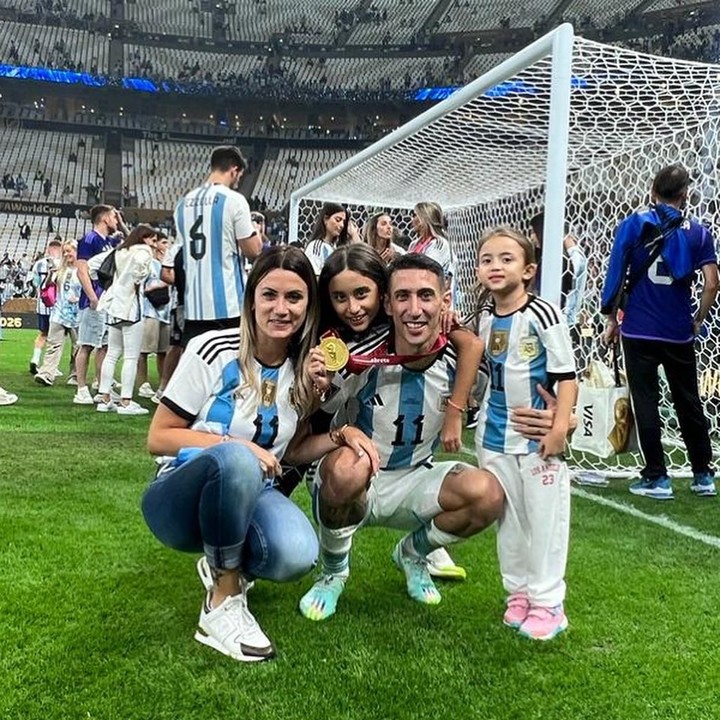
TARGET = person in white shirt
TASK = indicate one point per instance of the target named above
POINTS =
(214, 227)
(123, 302)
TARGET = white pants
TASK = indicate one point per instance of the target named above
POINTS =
(54, 350)
(534, 529)
(123, 341)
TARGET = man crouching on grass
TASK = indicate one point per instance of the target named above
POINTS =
(400, 405)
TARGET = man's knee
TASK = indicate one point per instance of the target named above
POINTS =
(344, 476)
(478, 491)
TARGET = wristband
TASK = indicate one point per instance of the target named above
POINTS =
(454, 405)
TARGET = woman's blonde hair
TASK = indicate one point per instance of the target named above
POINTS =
(63, 267)
(294, 260)
(431, 216)
(371, 237)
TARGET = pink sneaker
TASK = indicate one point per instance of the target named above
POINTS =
(518, 606)
(544, 623)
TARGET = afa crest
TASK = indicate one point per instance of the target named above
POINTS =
(498, 342)
(267, 391)
(529, 347)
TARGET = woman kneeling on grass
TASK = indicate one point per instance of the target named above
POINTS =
(227, 416)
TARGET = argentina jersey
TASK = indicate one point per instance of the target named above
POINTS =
(318, 251)
(209, 220)
(221, 402)
(528, 347)
(402, 410)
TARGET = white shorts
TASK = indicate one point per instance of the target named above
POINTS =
(92, 328)
(408, 498)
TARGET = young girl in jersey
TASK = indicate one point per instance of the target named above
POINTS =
(527, 343)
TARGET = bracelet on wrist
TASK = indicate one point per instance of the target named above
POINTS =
(455, 405)
(321, 394)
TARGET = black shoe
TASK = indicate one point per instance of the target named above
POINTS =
(472, 417)
(33, 368)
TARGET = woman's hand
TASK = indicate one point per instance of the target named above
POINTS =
(268, 462)
(357, 440)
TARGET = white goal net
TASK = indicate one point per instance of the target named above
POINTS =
(569, 125)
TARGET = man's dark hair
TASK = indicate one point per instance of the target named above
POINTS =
(671, 182)
(97, 210)
(55, 243)
(416, 261)
(226, 157)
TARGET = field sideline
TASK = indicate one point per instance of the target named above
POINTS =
(98, 618)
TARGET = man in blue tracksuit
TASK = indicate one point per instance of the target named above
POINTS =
(655, 256)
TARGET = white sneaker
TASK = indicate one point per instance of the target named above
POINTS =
(146, 391)
(95, 385)
(106, 407)
(7, 398)
(58, 373)
(156, 397)
(132, 408)
(72, 380)
(83, 397)
(232, 630)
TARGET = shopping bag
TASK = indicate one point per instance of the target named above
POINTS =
(605, 419)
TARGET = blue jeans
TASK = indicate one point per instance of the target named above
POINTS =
(218, 503)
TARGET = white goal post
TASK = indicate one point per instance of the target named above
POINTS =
(573, 126)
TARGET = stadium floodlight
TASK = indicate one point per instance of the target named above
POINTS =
(570, 125)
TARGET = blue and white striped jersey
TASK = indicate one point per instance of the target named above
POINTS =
(402, 410)
(530, 346)
(153, 280)
(218, 401)
(209, 221)
(318, 251)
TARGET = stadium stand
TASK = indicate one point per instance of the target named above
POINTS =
(480, 64)
(291, 169)
(12, 244)
(260, 20)
(188, 65)
(463, 15)
(53, 47)
(30, 152)
(391, 21)
(177, 17)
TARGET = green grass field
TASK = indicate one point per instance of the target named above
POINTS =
(98, 617)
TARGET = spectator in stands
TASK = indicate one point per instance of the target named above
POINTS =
(379, 233)
(574, 271)
(216, 232)
(63, 316)
(124, 303)
(92, 333)
(430, 226)
(47, 188)
(653, 262)
(218, 497)
(25, 230)
(41, 273)
(156, 320)
(330, 231)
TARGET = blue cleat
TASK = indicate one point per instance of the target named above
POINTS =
(703, 485)
(657, 489)
(420, 586)
(320, 601)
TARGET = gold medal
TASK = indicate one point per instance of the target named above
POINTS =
(336, 353)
